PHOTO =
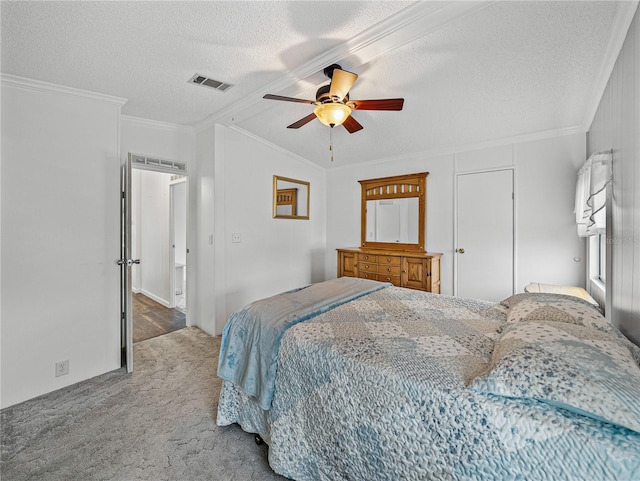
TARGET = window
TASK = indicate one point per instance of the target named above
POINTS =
(597, 265)
(591, 219)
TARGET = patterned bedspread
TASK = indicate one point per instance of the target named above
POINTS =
(376, 389)
(252, 336)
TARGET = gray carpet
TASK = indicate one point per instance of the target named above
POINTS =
(155, 424)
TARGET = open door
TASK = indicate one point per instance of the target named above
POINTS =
(178, 242)
(125, 262)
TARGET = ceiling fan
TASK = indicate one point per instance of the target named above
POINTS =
(333, 106)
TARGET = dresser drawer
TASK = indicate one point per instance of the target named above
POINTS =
(389, 260)
(368, 275)
(395, 280)
(368, 258)
(367, 267)
(388, 270)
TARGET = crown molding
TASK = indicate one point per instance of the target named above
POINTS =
(621, 24)
(522, 138)
(40, 86)
(516, 139)
(157, 124)
(407, 25)
(276, 147)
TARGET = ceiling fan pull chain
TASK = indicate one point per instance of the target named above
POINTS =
(331, 142)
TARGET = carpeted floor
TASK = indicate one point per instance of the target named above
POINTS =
(155, 424)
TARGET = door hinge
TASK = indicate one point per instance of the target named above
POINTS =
(122, 316)
(122, 195)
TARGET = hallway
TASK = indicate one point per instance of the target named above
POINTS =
(151, 319)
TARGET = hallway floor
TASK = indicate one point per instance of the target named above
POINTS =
(152, 319)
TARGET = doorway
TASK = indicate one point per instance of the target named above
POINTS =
(484, 255)
(158, 239)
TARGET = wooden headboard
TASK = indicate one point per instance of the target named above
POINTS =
(288, 197)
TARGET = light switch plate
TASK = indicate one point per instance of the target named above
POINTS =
(236, 238)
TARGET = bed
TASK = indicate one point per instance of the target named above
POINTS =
(386, 383)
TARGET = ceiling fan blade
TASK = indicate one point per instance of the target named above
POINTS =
(341, 83)
(301, 122)
(380, 104)
(352, 125)
(287, 99)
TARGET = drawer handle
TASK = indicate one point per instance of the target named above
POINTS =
(388, 259)
(366, 266)
(388, 269)
(366, 258)
(388, 278)
(366, 276)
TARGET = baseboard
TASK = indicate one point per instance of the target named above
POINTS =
(156, 298)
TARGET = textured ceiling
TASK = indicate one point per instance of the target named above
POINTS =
(469, 71)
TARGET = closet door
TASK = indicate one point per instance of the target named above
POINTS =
(485, 235)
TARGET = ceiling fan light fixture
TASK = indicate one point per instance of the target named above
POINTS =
(332, 114)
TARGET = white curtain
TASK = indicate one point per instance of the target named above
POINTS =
(591, 194)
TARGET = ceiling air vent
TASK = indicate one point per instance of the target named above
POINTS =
(209, 82)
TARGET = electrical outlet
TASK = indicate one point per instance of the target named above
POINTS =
(236, 238)
(62, 368)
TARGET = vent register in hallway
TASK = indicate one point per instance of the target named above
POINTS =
(153, 163)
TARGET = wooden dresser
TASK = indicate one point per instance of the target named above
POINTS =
(414, 270)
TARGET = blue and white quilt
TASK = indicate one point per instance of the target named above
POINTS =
(379, 388)
(252, 336)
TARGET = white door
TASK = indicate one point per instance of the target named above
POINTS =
(125, 263)
(178, 232)
(485, 235)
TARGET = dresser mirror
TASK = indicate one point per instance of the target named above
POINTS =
(290, 198)
(392, 220)
(393, 212)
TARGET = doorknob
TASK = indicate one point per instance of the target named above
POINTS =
(460, 250)
(127, 262)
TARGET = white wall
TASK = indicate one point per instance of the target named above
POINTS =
(616, 126)
(60, 237)
(275, 254)
(546, 235)
(179, 199)
(157, 139)
(546, 239)
(154, 237)
(207, 299)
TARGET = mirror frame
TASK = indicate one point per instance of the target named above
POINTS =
(395, 187)
(276, 178)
